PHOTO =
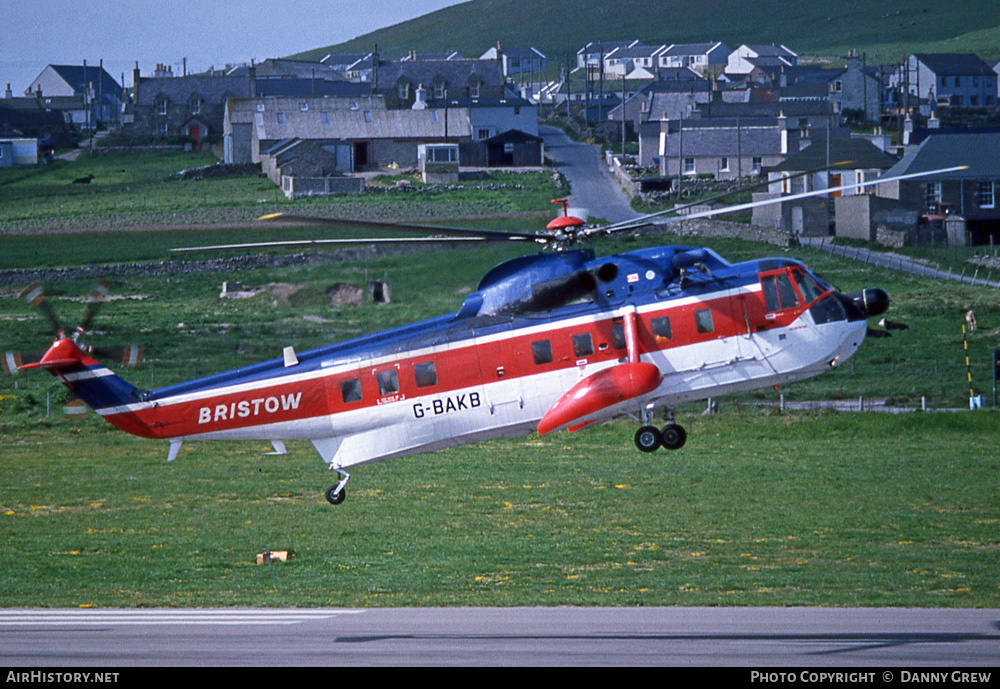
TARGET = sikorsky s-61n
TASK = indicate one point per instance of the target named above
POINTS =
(557, 340)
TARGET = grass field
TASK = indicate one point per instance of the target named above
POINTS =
(759, 508)
(831, 509)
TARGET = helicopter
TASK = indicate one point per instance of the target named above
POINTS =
(557, 340)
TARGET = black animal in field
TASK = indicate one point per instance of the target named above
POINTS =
(83, 180)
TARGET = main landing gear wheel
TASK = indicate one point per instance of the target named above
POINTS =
(673, 436)
(335, 497)
(648, 438)
(335, 494)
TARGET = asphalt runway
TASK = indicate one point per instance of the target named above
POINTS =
(708, 637)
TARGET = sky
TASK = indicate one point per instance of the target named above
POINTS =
(209, 33)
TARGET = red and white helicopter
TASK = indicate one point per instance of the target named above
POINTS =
(557, 340)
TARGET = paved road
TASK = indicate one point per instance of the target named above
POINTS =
(591, 185)
(742, 637)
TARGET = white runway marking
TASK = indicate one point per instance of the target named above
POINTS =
(90, 618)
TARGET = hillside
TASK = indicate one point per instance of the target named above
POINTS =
(886, 30)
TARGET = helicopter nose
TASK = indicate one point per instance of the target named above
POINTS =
(872, 301)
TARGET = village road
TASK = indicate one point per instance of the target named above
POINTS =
(591, 186)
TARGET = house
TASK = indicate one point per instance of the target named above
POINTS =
(623, 60)
(670, 98)
(164, 105)
(960, 80)
(970, 194)
(511, 148)
(724, 148)
(377, 136)
(91, 89)
(18, 152)
(397, 82)
(816, 166)
(703, 58)
(517, 62)
(591, 56)
(30, 118)
(755, 62)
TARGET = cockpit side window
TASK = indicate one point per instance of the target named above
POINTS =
(779, 293)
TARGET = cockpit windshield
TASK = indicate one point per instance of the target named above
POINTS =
(780, 291)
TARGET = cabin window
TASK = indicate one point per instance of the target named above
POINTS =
(425, 374)
(583, 345)
(350, 390)
(618, 336)
(388, 382)
(542, 351)
(703, 320)
(661, 327)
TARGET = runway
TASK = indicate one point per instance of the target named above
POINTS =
(708, 637)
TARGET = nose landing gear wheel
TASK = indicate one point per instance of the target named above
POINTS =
(648, 438)
(673, 436)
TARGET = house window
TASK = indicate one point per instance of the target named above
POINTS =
(482, 134)
(324, 117)
(161, 105)
(932, 194)
(542, 351)
(838, 86)
(425, 374)
(474, 90)
(350, 390)
(508, 148)
(723, 164)
(757, 163)
(689, 166)
(985, 195)
(439, 91)
(404, 91)
(196, 106)
(703, 321)
(281, 118)
(388, 382)
(583, 345)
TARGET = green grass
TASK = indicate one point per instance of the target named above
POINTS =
(138, 190)
(887, 30)
(753, 511)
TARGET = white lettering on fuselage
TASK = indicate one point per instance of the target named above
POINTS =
(248, 408)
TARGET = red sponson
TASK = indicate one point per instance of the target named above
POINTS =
(599, 391)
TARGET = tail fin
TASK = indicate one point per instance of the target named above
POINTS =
(110, 396)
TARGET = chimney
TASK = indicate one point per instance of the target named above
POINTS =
(8, 93)
(420, 98)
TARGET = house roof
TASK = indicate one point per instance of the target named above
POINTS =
(362, 122)
(310, 87)
(426, 72)
(724, 138)
(955, 64)
(862, 154)
(180, 89)
(78, 77)
(976, 150)
(694, 48)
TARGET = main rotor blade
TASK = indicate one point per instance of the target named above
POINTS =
(644, 220)
(318, 242)
(783, 199)
(404, 227)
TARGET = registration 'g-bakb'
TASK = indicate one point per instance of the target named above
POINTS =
(558, 340)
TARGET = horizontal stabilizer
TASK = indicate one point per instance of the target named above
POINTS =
(598, 392)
